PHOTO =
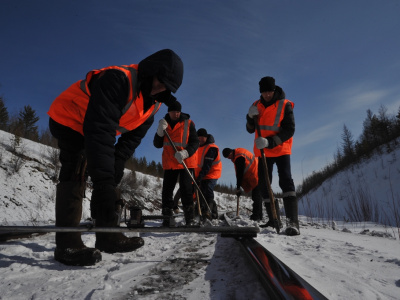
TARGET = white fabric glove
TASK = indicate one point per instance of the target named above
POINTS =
(162, 125)
(261, 143)
(181, 155)
(253, 111)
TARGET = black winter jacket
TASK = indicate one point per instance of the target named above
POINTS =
(109, 92)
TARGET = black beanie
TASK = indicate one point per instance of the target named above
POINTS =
(226, 152)
(175, 106)
(202, 132)
(267, 84)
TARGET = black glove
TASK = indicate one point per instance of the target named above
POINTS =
(119, 166)
(102, 205)
(198, 182)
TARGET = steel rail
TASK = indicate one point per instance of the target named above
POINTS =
(279, 281)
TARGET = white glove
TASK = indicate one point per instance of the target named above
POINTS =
(261, 143)
(162, 125)
(253, 111)
(181, 155)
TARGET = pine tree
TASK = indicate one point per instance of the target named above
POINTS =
(347, 145)
(28, 119)
(4, 117)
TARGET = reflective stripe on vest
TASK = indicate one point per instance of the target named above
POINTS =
(69, 108)
(185, 136)
(270, 119)
(249, 161)
(276, 126)
(203, 154)
(156, 107)
(250, 173)
(216, 165)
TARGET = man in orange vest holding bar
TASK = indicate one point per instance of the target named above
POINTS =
(182, 131)
(276, 120)
(86, 118)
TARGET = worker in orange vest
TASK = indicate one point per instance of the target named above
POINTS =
(207, 172)
(276, 120)
(182, 131)
(246, 168)
(86, 118)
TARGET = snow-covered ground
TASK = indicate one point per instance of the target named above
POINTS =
(341, 260)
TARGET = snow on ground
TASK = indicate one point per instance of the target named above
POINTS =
(341, 260)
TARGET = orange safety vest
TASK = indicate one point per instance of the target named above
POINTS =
(250, 176)
(69, 108)
(180, 137)
(216, 167)
(270, 119)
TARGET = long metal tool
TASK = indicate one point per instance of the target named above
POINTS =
(188, 171)
(270, 193)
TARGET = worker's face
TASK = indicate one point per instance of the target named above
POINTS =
(202, 140)
(174, 115)
(230, 156)
(157, 87)
(267, 95)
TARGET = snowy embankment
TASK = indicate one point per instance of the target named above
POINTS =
(341, 260)
(368, 189)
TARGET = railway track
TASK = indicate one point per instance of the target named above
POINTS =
(279, 281)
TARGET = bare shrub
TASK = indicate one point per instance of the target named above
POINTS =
(53, 154)
(361, 207)
(17, 160)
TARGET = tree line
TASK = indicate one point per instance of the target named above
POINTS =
(380, 132)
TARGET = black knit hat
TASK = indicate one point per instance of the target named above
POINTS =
(166, 65)
(226, 152)
(267, 84)
(175, 106)
(202, 132)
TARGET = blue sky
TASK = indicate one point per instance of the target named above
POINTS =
(334, 60)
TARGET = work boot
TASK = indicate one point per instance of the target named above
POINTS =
(270, 222)
(214, 209)
(113, 242)
(168, 220)
(116, 241)
(70, 249)
(292, 216)
(189, 215)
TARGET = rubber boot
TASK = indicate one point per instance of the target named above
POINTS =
(189, 215)
(70, 249)
(113, 242)
(292, 216)
(169, 220)
(213, 208)
(270, 222)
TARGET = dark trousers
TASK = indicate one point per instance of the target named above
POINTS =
(284, 173)
(207, 188)
(257, 203)
(71, 144)
(185, 186)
